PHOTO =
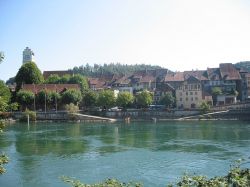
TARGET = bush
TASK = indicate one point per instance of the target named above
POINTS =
(107, 183)
(71, 108)
(3, 160)
(32, 116)
(236, 177)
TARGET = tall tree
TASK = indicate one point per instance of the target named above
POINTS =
(28, 74)
(71, 96)
(81, 80)
(89, 98)
(53, 79)
(144, 98)
(5, 93)
(25, 98)
(125, 99)
(106, 98)
(168, 100)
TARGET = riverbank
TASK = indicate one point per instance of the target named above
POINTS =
(139, 115)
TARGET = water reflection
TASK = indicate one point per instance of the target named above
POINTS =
(42, 139)
(67, 139)
(151, 153)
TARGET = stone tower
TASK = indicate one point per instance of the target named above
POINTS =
(28, 55)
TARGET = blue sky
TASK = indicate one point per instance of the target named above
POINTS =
(175, 34)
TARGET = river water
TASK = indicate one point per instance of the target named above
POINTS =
(152, 153)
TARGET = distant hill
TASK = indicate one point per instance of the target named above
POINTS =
(116, 69)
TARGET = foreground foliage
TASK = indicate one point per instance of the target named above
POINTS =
(236, 177)
(3, 158)
(107, 183)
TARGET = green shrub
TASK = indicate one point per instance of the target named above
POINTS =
(236, 177)
(107, 183)
(32, 116)
(71, 108)
(3, 160)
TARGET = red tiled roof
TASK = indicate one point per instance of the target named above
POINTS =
(35, 88)
(123, 80)
(229, 72)
(198, 74)
(96, 82)
(174, 77)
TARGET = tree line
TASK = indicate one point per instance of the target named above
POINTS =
(111, 69)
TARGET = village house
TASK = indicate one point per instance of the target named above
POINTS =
(190, 93)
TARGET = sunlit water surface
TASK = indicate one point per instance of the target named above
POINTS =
(152, 153)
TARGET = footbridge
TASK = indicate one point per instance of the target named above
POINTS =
(204, 115)
(90, 117)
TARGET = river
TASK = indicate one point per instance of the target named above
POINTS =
(152, 153)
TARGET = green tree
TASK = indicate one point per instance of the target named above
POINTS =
(106, 98)
(89, 98)
(144, 98)
(125, 99)
(168, 100)
(81, 80)
(28, 74)
(71, 96)
(13, 106)
(204, 107)
(5, 93)
(64, 79)
(40, 97)
(25, 98)
(53, 79)
(53, 99)
(3, 105)
(215, 92)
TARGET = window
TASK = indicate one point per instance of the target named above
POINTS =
(186, 99)
(196, 98)
(191, 93)
(180, 99)
(186, 87)
(186, 93)
(195, 93)
(192, 99)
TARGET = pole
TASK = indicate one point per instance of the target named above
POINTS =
(45, 99)
(56, 98)
(45, 103)
(34, 91)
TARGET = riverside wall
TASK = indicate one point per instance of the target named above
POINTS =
(232, 114)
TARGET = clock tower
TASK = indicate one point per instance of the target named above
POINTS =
(28, 55)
